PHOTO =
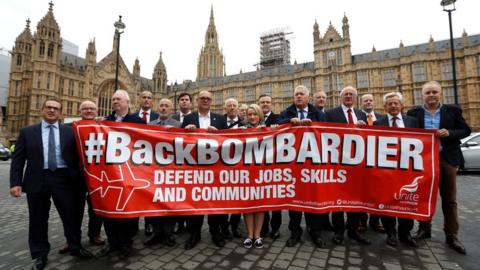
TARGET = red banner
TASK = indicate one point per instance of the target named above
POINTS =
(141, 170)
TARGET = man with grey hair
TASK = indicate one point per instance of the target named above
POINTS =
(231, 113)
(450, 127)
(120, 231)
(163, 226)
(320, 100)
(347, 114)
(393, 104)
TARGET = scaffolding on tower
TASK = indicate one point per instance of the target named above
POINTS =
(275, 48)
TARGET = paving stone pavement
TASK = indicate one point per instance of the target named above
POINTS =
(432, 254)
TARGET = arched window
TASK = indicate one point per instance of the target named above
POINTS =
(50, 50)
(41, 50)
(19, 60)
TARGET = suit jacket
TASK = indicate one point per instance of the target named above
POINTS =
(451, 119)
(336, 115)
(216, 120)
(129, 118)
(167, 122)
(409, 122)
(153, 115)
(272, 119)
(29, 149)
(240, 122)
(291, 112)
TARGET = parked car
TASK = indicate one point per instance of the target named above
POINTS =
(4, 152)
(471, 152)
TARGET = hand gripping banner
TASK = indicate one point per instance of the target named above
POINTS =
(141, 170)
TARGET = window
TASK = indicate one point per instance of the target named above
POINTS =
(418, 72)
(41, 50)
(417, 97)
(50, 50)
(70, 88)
(389, 77)
(19, 60)
(250, 95)
(447, 70)
(17, 86)
(39, 79)
(69, 107)
(49, 78)
(37, 102)
(337, 83)
(287, 89)
(61, 86)
(307, 82)
(80, 89)
(448, 95)
(478, 65)
(326, 84)
(231, 93)
(218, 97)
(267, 89)
(362, 79)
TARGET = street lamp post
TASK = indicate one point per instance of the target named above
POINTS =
(119, 27)
(449, 6)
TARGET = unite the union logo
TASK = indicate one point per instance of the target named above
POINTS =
(407, 193)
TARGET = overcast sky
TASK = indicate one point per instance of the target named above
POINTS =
(177, 27)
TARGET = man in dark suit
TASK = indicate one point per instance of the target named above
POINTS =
(368, 104)
(163, 226)
(212, 122)
(273, 223)
(120, 231)
(451, 127)
(184, 101)
(393, 103)
(52, 169)
(346, 113)
(146, 103)
(303, 113)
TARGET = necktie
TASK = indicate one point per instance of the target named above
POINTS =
(350, 117)
(145, 116)
(302, 114)
(370, 119)
(52, 160)
(394, 121)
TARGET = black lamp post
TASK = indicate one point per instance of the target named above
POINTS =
(119, 27)
(449, 6)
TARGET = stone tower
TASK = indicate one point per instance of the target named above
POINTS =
(210, 61)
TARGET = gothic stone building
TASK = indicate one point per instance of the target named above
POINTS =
(404, 69)
(40, 69)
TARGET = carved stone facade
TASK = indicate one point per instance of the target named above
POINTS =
(39, 69)
(403, 69)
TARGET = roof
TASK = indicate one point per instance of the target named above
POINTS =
(70, 60)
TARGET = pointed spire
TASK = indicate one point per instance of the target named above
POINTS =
(402, 48)
(211, 15)
(401, 44)
(315, 26)
(465, 38)
(50, 9)
(373, 48)
(431, 44)
(26, 35)
(345, 19)
(28, 24)
(160, 66)
(431, 39)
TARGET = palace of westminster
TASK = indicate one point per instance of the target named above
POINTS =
(40, 69)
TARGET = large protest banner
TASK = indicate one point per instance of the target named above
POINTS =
(141, 170)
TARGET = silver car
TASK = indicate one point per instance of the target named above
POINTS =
(471, 152)
(4, 152)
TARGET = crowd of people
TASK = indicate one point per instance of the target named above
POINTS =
(46, 167)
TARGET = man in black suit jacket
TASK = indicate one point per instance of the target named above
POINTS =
(184, 101)
(393, 103)
(52, 170)
(346, 113)
(146, 103)
(303, 113)
(120, 231)
(451, 127)
(265, 103)
(205, 119)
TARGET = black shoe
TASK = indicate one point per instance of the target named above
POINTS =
(392, 240)
(275, 234)
(218, 240)
(170, 241)
(107, 249)
(180, 229)
(423, 234)
(97, 241)
(294, 239)
(354, 235)
(124, 252)
(192, 241)
(377, 227)
(236, 233)
(64, 250)
(40, 263)
(227, 234)
(81, 253)
(148, 229)
(456, 245)
(318, 241)
(408, 239)
(152, 240)
(337, 238)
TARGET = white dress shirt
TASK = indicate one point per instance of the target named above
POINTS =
(140, 114)
(354, 116)
(398, 121)
(204, 121)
